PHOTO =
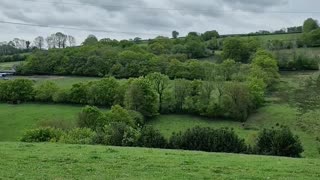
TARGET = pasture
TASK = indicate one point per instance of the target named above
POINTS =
(16, 119)
(59, 161)
(8, 65)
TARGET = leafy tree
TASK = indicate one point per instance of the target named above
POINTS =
(213, 44)
(237, 101)
(160, 83)
(120, 115)
(195, 49)
(257, 89)
(90, 40)
(175, 34)
(105, 92)
(141, 97)
(236, 49)
(209, 35)
(227, 68)
(91, 117)
(78, 93)
(279, 142)
(151, 138)
(46, 91)
(265, 61)
(18, 90)
(39, 42)
(182, 89)
(310, 25)
(207, 139)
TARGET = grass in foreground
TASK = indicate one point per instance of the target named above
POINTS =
(58, 161)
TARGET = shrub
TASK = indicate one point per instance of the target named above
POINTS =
(207, 139)
(90, 117)
(42, 135)
(279, 142)
(78, 136)
(46, 91)
(120, 134)
(57, 124)
(152, 138)
(121, 115)
(141, 97)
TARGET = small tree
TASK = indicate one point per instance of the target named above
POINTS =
(175, 34)
(279, 142)
(91, 117)
(160, 83)
(141, 97)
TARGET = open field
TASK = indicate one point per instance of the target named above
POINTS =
(16, 119)
(8, 65)
(59, 161)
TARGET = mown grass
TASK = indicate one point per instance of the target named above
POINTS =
(58, 161)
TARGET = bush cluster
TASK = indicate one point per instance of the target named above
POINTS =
(119, 131)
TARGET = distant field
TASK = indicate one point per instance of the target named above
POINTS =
(8, 65)
(16, 119)
(59, 161)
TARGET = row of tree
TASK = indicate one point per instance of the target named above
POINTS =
(231, 90)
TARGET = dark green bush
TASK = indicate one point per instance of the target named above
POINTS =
(42, 135)
(207, 139)
(120, 134)
(279, 142)
(152, 138)
(90, 117)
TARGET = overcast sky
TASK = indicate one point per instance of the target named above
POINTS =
(149, 18)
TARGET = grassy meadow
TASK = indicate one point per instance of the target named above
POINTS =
(60, 161)
(16, 119)
(8, 65)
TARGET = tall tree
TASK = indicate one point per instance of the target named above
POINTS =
(160, 83)
(39, 42)
(61, 40)
(175, 34)
(71, 40)
(310, 25)
(90, 40)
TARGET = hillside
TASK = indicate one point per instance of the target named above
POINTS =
(57, 161)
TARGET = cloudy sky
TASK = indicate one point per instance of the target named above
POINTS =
(149, 18)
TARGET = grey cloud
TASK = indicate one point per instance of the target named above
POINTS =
(148, 16)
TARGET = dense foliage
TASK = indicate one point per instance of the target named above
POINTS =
(210, 140)
(279, 142)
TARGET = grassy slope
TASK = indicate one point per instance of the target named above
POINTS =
(57, 161)
(16, 119)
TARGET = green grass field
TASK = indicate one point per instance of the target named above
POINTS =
(8, 65)
(59, 161)
(16, 119)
